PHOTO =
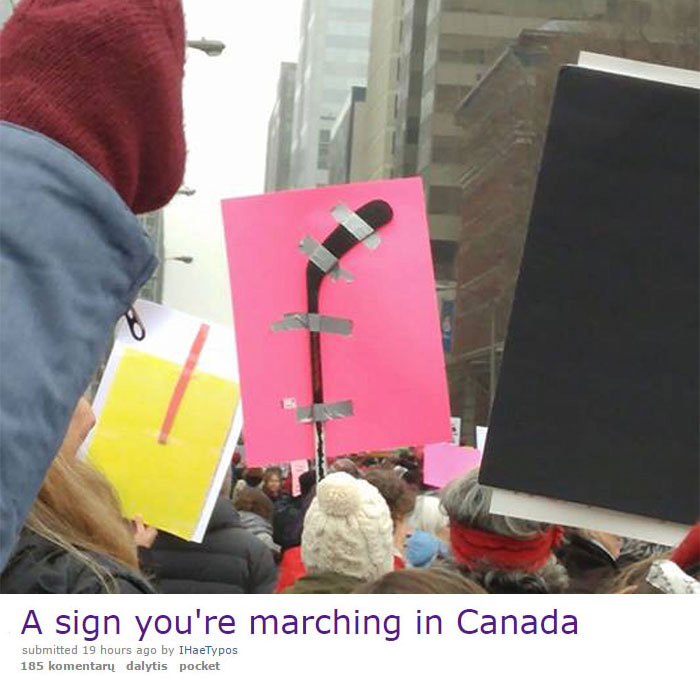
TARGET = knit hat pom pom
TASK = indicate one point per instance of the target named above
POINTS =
(339, 495)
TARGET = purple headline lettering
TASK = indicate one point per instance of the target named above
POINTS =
(468, 621)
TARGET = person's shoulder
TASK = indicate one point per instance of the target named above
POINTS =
(125, 582)
(39, 566)
(114, 580)
(246, 540)
(234, 533)
(223, 516)
(285, 500)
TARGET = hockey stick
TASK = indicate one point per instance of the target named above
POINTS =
(376, 214)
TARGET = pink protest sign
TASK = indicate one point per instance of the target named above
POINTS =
(443, 462)
(390, 366)
(298, 467)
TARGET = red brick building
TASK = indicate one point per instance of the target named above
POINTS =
(504, 120)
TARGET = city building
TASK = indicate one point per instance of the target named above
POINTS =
(381, 110)
(346, 152)
(6, 9)
(409, 88)
(333, 55)
(153, 224)
(279, 132)
(457, 41)
(503, 122)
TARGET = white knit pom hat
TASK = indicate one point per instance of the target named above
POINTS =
(348, 529)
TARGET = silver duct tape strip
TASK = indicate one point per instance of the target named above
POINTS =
(324, 259)
(669, 578)
(313, 322)
(318, 254)
(325, 412)
(353, 223)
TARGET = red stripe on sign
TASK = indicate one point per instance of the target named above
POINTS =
(182, 382)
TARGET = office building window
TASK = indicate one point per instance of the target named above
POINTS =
(324, 137)
(444, 200)
(444, 254)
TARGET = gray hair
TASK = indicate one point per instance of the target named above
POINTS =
(428, 515)
(551, 578)
(467, 503)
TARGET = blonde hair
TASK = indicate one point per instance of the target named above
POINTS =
(77, 510)
(633, 576)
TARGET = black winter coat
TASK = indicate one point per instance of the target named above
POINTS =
(230, 560)
(288, 519)
(38, 566)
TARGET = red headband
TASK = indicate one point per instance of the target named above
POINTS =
(470, 546)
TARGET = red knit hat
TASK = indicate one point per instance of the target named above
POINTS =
(103, 78)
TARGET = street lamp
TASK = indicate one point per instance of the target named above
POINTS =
(211, 48)
(181, 259)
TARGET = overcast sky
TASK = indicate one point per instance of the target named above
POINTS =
(228, 100)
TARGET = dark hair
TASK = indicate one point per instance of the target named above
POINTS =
(307, 481)
(395, 491)
(408, 461)
(253, 476)
(435, 580)
(270, 472)
(513, 582)
(254, 501)
(345, 465)
(413, 476)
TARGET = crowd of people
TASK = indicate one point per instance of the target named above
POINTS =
(90, 137)
(368, 527)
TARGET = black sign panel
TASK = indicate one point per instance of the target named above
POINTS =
(597, 400)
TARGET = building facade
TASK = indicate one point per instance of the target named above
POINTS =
(461, 39)
(6, 9)
(409, 87)
(279, 132)
(346, 154)
(382, 91)
(153, 224)
(504, 121)
(333, 55)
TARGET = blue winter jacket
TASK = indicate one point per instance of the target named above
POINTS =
(72, 258)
